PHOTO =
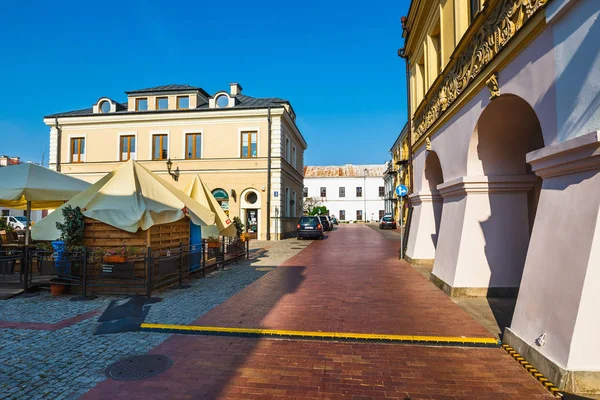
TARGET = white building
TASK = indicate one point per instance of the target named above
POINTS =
(350, 192)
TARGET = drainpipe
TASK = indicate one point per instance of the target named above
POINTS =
(269, 175)
(58, 143)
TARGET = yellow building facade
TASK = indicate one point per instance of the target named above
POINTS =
(248, 150)
(398, 173)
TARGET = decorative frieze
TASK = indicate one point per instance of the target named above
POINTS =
(502, 24)
(493, 86)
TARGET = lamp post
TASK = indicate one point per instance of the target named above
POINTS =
(365, 196)
(174, 175)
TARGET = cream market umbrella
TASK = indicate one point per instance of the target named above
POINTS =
(32, 187)
(198, 191)
(129, 198)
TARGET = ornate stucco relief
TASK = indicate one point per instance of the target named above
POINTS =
(502, 24)
(493, 86)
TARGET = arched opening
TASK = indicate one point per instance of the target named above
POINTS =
(222, 198)
(433, 176)
(250, 202)
(506, 131)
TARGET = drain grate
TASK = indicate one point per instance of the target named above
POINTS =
(138, 367)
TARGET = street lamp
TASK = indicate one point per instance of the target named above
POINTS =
(174, 175)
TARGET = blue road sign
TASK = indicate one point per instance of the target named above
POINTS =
(401, 190)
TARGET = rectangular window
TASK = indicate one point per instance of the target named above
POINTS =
(342, 192)
(193, 146)
(287, 202)
(342, 215)
(249, 148)
(162, 103)
(293, 204)
(381, 214)
(77, 150)
(160, 147)
(358, 191)
(287, 150)
(183, 102)
(294, 157)
(127, 148)
(323, 192)
(381, 191)
(305, 192)
(141, 104)
(359, 216)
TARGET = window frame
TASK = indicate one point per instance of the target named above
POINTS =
(361, 191)
(81, 156)
(248, 132)
(193, 145)
(381, 191)
(342, 191)
(137, 103)
(323, 191)
(153, 147)
(305, 192)
(177, 102)
(342, 213)
(474, 4)
(130, 136)
(293, 156)
(157, 99)
(361, 215)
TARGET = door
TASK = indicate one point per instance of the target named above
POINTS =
(252, 223)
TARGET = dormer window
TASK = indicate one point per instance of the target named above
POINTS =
(183, 102)
(162, 103)
(222, 101)
(141, 104)
(105, 107)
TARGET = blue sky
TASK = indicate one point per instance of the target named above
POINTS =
(334, 60)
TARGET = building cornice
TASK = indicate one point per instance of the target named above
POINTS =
(476, 51)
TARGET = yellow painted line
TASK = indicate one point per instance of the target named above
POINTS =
(316, 334)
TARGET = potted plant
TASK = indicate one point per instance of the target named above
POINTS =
(115, 256)
(213, 242)
(71, 239)
(244, 237)
(239, 226)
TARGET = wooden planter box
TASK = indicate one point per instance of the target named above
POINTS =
(214, 245)
(114, 259)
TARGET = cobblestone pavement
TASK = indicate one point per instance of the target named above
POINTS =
(350, 282)
(67, 362)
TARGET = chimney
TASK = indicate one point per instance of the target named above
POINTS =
(235, 89)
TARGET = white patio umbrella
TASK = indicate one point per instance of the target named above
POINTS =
(198, 191)
(29, 187)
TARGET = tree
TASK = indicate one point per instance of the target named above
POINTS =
(319, 210)
(309, 203)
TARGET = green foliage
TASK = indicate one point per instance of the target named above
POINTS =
(239, 226)
(71, 229)
(4, 226)
(319, 210)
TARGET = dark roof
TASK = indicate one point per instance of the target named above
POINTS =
(167, 88)
(244, 102)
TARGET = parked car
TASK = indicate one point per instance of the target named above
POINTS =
(16, 222)
(327, 226)
(334, 220)
(387, 222)
(310, 227)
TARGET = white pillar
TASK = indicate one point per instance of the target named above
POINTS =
(424, 229)
(556, 323)
(484, 235)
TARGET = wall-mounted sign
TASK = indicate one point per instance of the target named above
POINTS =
(220, 194)
(275, 194)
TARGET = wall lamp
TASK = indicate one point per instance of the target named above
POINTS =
(174, 175)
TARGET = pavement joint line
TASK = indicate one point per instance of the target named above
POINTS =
(534, 372)
(190, 329)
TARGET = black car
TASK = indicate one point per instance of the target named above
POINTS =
(327, 226)
(310, 227)
(387, 222)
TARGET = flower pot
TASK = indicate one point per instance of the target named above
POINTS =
(214, 245)
(57, 290)
(115, 258)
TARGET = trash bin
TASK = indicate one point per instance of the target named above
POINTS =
(63, 267)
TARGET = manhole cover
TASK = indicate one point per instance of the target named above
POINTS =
(138, 367)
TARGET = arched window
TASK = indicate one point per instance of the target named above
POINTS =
(222, 198)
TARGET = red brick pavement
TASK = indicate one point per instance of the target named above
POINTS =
(44, 326)
(349, 282)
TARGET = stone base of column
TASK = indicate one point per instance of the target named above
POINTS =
(510, 292)
(569, 381)
(420, 262)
